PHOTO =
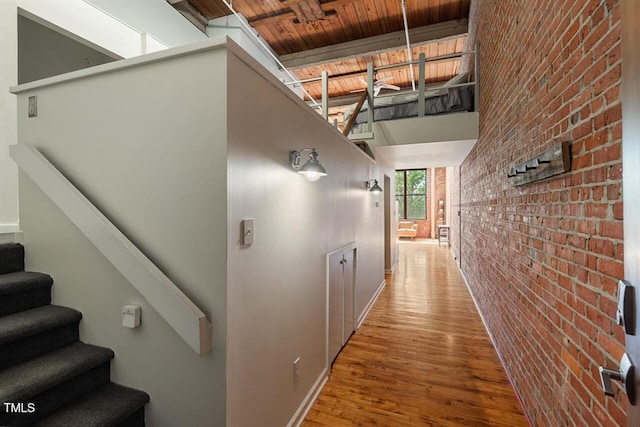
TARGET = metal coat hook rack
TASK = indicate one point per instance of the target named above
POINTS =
(554, 161)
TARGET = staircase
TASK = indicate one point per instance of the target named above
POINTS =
(47, 376)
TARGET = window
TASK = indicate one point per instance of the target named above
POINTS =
(411, 193)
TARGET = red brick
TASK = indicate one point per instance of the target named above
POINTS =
(593, 176)
(597, 192)
(618, 209)
(586, 327)
(615, 172)
(607, 154)
(609, 79)
(605, 322)
(612, 95)
(597, 34)
(614, 55)
(596, 210)
(611, 267)
(594, 71)
(586, 226)
(613, 347)
(596, 139)
(601, 246)
(612, 229)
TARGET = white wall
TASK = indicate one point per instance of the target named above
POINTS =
(277, 286)
(147, 147)
(8, 127)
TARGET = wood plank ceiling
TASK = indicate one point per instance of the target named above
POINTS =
(310, 36)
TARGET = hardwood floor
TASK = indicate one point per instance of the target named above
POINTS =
(421, 358)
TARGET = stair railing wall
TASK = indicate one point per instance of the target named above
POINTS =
(163, 295)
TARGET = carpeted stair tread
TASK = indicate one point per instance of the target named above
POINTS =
(22, 290)
(11, 257)
(107, 406)
(23, 381)
(34, 321)
(23, 281)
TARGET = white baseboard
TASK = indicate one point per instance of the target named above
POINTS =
(9, 228)
(372, 301)
(10, 236)
(309, 400)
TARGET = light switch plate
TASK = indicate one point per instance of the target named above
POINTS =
(247, 231)
(33, 106)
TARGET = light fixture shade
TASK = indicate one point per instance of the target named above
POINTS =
(313, 169)
(376, 189)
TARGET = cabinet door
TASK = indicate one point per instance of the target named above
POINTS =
(349, 302)
(336, 300)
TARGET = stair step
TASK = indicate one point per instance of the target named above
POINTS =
(53, 380)
(110, 405)
(11, 257)
(35, 332)
(24, 290)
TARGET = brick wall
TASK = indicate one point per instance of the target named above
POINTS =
(543, 259)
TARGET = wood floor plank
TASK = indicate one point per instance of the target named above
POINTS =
(421, 358)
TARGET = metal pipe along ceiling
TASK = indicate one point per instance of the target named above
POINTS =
(409, 54)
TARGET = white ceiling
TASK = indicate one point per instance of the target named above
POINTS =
(427, 155)
(431, 141)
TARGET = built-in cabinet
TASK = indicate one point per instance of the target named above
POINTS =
(341, 300)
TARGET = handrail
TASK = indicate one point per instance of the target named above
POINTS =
(163, 295)
(356, 110)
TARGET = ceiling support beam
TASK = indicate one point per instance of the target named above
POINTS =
(376, 44)
(307, 11)
(191, 13)
(288, 13)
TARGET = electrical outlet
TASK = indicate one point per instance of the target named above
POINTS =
(296, 368)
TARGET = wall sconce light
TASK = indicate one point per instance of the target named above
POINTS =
(375, 188)
(312, 169)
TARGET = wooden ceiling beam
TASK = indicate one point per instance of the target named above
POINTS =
(289, 14)
(307, 10)
(376, 44)
(191, 13)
